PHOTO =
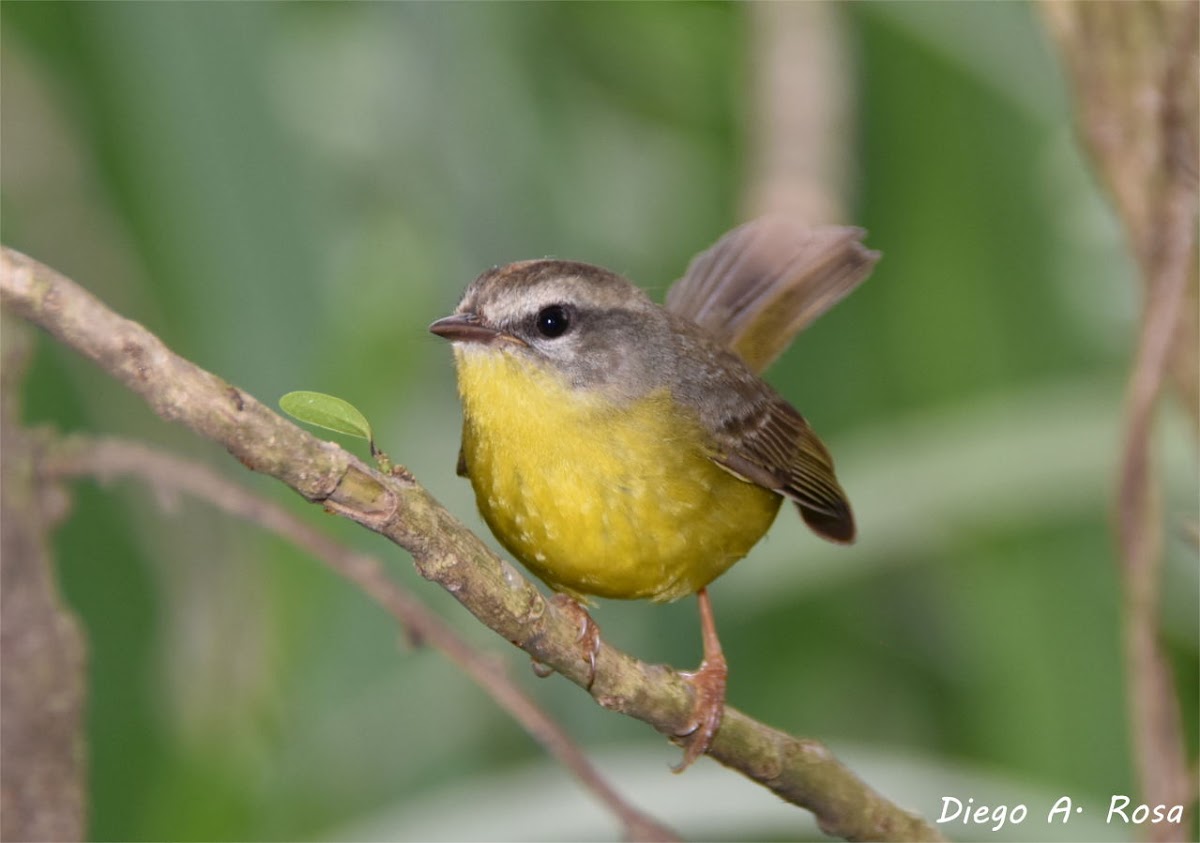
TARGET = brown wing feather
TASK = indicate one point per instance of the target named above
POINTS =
(773, 446)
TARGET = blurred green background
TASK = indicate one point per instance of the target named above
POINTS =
(288, 195)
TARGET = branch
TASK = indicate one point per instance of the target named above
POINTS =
(1135, 70)
(42, 686)
(103, 458)
(800, 771)
(802, 127)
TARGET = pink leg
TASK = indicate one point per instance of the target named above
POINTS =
(709, 685)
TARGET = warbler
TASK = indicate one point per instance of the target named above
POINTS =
(622, 449)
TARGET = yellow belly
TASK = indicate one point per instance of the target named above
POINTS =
(594, 500)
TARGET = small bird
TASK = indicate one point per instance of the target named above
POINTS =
(622, 449)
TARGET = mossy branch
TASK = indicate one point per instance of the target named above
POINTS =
(803, 772)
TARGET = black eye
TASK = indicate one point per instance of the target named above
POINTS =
(553, 321)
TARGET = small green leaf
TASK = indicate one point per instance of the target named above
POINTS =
(326, 411)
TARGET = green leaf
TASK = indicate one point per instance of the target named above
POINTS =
(327, 411)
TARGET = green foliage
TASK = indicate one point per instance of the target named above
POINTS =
(328, 412)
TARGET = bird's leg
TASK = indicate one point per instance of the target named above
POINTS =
(589, 633)
(708, 683)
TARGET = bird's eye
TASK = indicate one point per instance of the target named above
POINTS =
(553, 321)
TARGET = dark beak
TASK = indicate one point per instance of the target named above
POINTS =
(466, 327)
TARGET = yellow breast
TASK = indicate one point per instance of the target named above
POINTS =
(597, 499)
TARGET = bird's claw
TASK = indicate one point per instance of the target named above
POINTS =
(708, 684)
(589, 633)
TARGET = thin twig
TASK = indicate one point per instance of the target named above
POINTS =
(107, 457)
(1154, 703)
(802, 130)
(1134, 68)
(43, 686)
(803, 772)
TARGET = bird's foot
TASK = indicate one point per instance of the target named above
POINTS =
(708, 684)
(589, 633)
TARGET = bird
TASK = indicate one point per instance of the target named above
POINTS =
(623, 449)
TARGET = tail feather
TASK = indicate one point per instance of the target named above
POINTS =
(762, 283)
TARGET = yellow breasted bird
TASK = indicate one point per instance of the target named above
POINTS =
(621, 449)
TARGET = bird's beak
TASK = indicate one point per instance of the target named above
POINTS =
(467, 327)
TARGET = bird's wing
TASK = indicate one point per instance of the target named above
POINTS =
(773, 446)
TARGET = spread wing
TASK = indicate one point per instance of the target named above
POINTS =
(763, 282)
(773, 446)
